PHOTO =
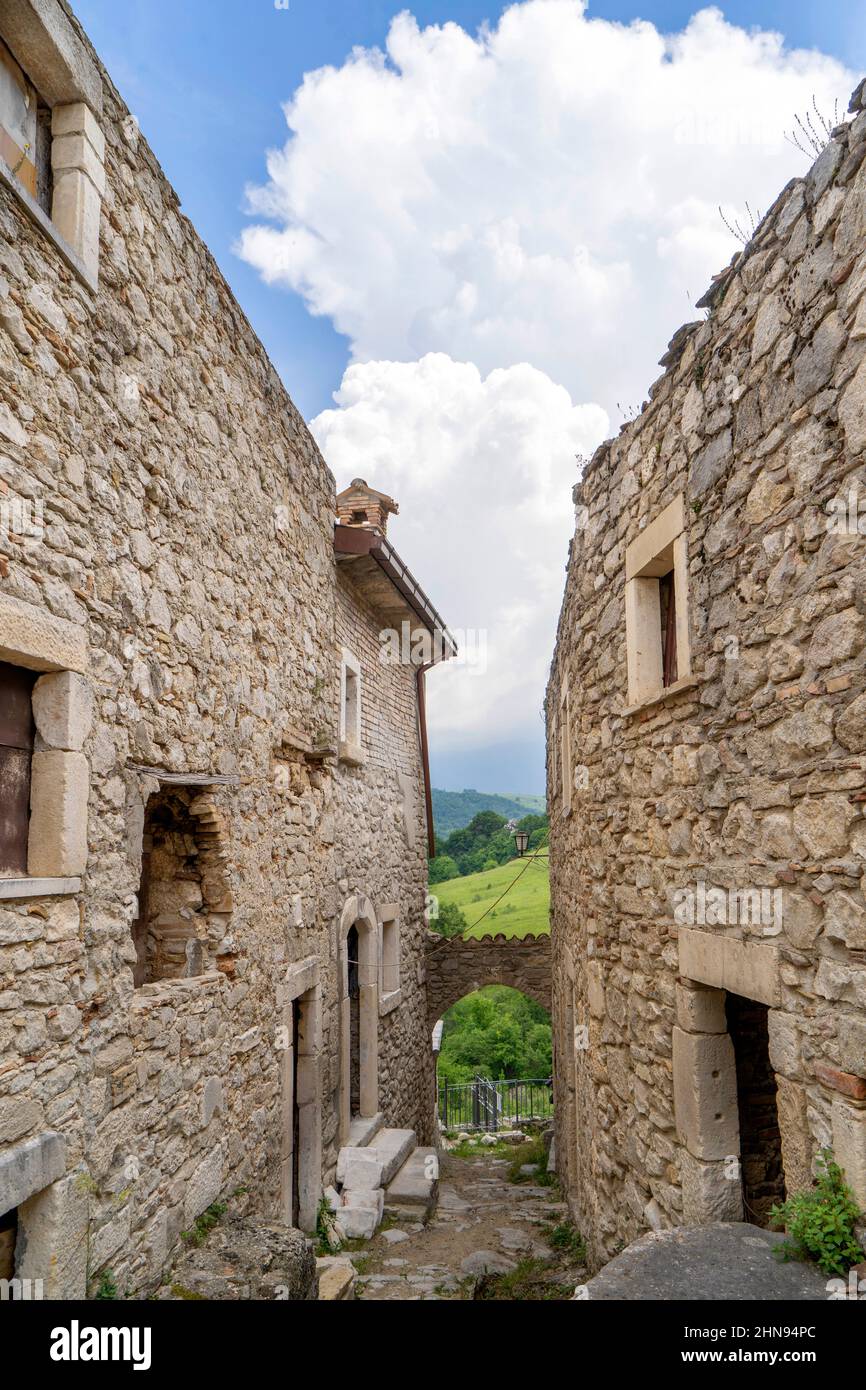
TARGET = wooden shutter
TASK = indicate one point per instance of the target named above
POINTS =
(668, 603)
(16, 750)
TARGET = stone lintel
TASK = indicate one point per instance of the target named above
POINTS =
(30, 1167)
(747, 968)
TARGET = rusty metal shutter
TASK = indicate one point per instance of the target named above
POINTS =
(16, 750)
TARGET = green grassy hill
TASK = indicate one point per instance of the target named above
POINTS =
(525, 910)
(453, 810)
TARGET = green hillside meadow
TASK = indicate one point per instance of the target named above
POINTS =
(525, 910)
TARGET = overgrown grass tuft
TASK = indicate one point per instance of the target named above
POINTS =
(204, 1224)
(530, 1282)
(533, 1151)
(568, 1241)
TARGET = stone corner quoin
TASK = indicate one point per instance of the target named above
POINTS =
(707, 901)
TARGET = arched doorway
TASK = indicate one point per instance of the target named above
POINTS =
(359, 1014)
(493, 1063)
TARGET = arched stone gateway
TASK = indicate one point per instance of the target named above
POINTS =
(458, 965)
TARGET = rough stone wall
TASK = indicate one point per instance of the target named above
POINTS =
(188, 533)
(752, 776)
(381, 850)
(458, 966)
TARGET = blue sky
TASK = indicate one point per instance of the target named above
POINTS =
(206, 80)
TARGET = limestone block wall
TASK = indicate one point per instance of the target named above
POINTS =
(381, 852)
(458, 966)
(747, 776)
(186, 543)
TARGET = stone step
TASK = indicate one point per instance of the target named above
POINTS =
(393, 1147)
(360, 1212)
(336, 1279)
(376, 1164)
(412, 1194)
(362, 1131)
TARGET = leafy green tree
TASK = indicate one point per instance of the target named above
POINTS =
(496, 1032)
(449, 920)
(442, 867)
(484, 843)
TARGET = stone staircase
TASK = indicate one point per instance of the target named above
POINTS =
(382, 1170)
(413, 1192)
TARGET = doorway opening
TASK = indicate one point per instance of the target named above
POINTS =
(354, 984)
(8, 1237)
(296, 1114)
(301, 1183)
(359, 1015)
(762, 1171)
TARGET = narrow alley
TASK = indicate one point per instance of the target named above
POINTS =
(490, 1237)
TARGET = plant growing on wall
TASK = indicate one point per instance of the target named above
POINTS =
(820, 1223)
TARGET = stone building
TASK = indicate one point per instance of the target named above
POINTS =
(213, 821)
(707, 749)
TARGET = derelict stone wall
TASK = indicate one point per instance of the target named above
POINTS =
(750, 777)
(188, 537)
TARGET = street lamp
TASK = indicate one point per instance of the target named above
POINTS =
(521, 839)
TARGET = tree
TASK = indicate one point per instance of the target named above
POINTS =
(485, 842)
(442, 867)
(449, 920)
(496, 1032)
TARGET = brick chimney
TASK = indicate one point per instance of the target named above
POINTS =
(360, 505)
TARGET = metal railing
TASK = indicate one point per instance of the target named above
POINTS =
(494, 1105)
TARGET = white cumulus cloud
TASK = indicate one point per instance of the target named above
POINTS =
(542, 192)
(481, 468)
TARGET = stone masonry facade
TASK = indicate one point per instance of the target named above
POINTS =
(463, 964)
(707, 749)
(200, 841)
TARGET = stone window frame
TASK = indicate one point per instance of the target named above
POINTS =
(390, 952)
(564, 731)
(660, 549)
(45, 45)
(351, 740)
(60, 772)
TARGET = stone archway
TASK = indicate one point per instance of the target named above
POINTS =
(458, 965)
(360, 991)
